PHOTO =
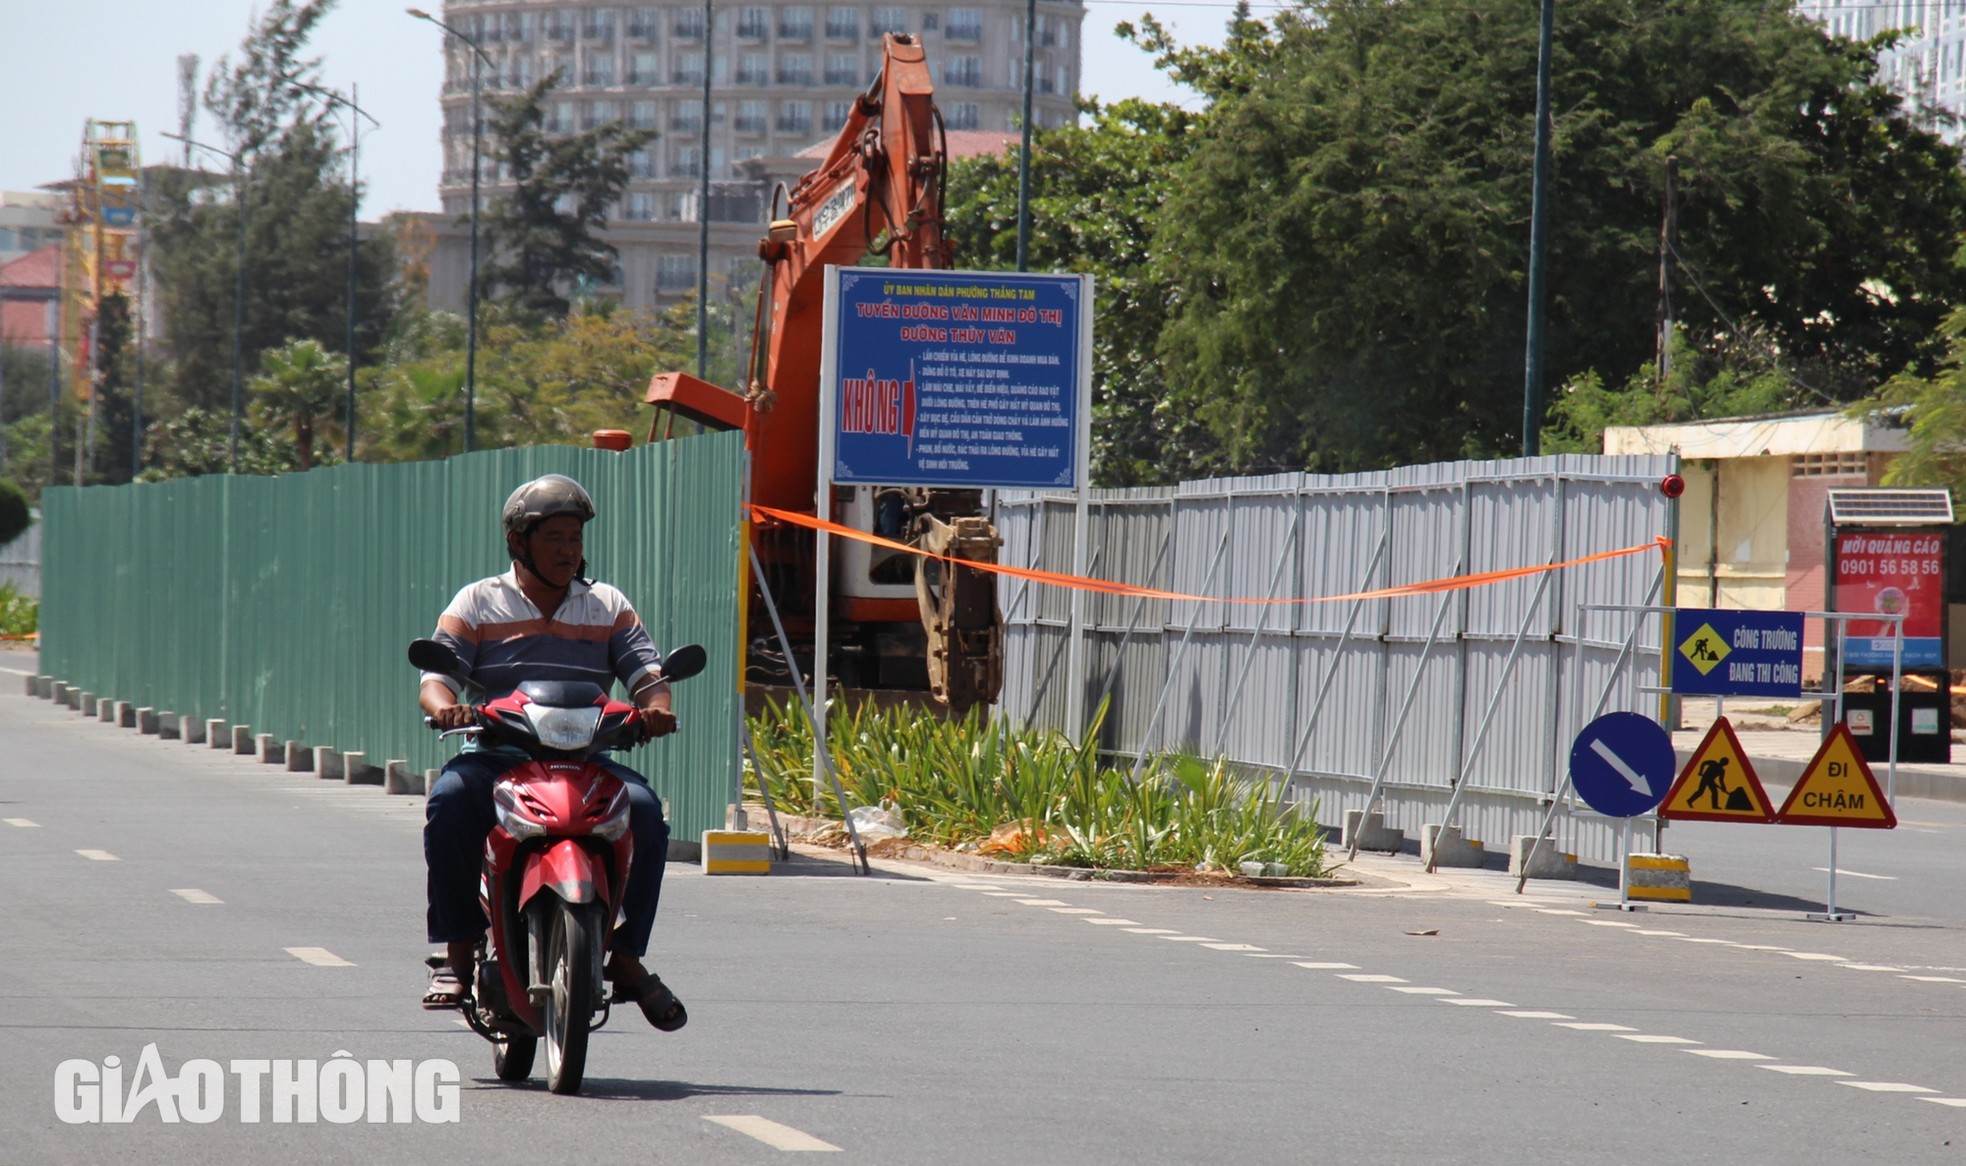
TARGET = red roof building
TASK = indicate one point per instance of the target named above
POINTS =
(27, 286)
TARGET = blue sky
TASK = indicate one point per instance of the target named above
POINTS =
(62, 63)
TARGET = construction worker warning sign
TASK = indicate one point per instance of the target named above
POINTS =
(1718, 783)
(1837, 789)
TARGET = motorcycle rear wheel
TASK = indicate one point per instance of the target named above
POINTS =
(573, 963)
(512, 1057)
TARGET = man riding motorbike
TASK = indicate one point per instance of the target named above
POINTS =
(541, 621)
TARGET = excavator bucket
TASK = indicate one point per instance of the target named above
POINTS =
(959, 611)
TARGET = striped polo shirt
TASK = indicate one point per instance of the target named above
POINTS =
(503, 640)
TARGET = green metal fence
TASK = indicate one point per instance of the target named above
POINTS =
(285, 603)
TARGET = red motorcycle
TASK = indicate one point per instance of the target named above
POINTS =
(556, 866)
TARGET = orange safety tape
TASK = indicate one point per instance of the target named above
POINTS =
(1109, 587)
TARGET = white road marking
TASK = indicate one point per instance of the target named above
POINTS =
(194, 895)
(1271, 955)
(1077, 911)
(1151, 931)
(771, 1133)
(1870, 967)
(1413, 990)
(1730, 1054)
(1190, 939)
(1610, 923)
(320, 957)
(1886, 1087)
(1855, 874)
(1557, 911)
(1317, 967)
(976, 886)
(1234, 947)
(1673, 934)
(1478, 1003)
(1044, 902)
(1532, 1014)
(1652, 1039)
(1759, 947)
(1004, 894)
(1955, 1102)
(1816, 955)
(23, 823)
(1590, 1026)
(1804, 1070)
(1702, 939)
(1632, 776)
(1370, 978)
(98, 855)
(15, 672)
(1935, 979)
(1114, 922)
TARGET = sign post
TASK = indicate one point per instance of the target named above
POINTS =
(1621, 764)
(962, 380)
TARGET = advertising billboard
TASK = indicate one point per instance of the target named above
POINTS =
(1892, 572)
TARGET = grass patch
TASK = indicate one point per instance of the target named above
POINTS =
(19, 614)
(1033, 795)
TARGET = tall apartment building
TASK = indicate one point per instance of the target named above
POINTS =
(782, 76)
(1928, 64)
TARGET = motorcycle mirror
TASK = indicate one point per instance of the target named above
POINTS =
(684, 662)
(431, 656)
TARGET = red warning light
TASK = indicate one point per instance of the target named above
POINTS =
(1672, 485)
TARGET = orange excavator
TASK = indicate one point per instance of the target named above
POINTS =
(897, 620)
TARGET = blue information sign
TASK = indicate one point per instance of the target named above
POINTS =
(1736, 653)
(1622, 764)
(958, 378)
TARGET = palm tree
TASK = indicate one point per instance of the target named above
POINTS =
(299, 383)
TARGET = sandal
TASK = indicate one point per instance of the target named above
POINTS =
(657, 1002)
(446, 990)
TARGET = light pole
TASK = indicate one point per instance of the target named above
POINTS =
(238, 297)
(471, 321)
(1539, 214)
(356, 114)
(703, 206)
(1024, 151)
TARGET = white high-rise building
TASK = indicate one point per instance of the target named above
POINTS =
(781, 77)
(1927, 66)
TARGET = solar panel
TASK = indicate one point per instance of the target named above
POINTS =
(1882, 506)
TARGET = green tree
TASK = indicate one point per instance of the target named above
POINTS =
(14, 515)
(1096, 196)
(295, 201)
(193, 442)
(542, 235)
(300, 384)
(1934, 409)
(1346, 246)
(1698, 386)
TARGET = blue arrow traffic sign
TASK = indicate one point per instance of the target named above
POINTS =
(1622, 764)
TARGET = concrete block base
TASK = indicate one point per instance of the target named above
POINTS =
(1370, 832)
(34, 686)
(87, 706)
(1550, 862)
(242, 740)
(106, 710)
(1443, 846)
(58, 691)
(192, 730)
(168, 726)
(399, 778)
(269, 751)
(736, 852)
(126, 714)
(299, 758)
(1658, 877)
(218, 734)
(148, 722)
(356, 770)
(327, 762)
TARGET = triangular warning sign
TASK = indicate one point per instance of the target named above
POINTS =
(1837, 789)
(1718, 784)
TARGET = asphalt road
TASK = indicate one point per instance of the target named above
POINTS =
(925, 1016)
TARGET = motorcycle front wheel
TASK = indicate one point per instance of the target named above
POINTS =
(573, 965)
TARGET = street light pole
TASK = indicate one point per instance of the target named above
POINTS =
(477, 148)
(1539, 214)
(703, 206)
(238, 297)
(356, 114)
(1024, 150)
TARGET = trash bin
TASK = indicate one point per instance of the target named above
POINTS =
(1924, 724)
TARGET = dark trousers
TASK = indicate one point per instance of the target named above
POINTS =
(459, 816)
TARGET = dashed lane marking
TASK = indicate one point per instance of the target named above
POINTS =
(976, 886)
(320, 957)
(1759, 947)
(1534, 1014)
(1646, 1038)
(15, 672)
(1151, 931)
(1556, 911)
(1596, 1026)
(1324, 967)
(98, 855)
(1856, 874)
(1415, 990)
(1935, 979)
(1190, 939)
(1703, 939)
(1730, 1054)
(1003, 894)
(1672, 934)
(1272, 955)
(194, 895)
(1818, 956)
(1044, 902)
(1609, 923)
(1076, 911)
(1870, 968)
(1477, 1002)
(771, 1133)
(1805, 1070)
(1369, 978)
(1233, 946)
(1114, 922)
(23, 823)
(1886, 1087)
(1955, 1102)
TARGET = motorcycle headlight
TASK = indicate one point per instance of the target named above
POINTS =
(520, 820)
(565, 729)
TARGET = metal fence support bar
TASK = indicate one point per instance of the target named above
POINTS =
(1174, 662)
(1337, 658)
(799, 686)
(1133, 623)
(780, 841)
(1064, 650)
(1234, 707)
(1405, 706)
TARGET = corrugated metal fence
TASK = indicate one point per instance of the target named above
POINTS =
(1415, 693)
(285, 603)
(20, 560)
